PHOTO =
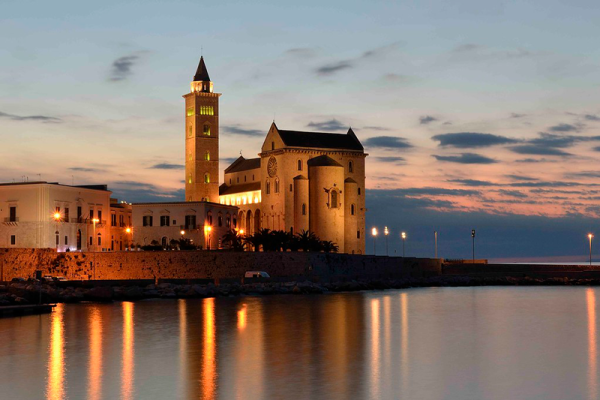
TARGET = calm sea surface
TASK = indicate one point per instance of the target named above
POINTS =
(439, 343)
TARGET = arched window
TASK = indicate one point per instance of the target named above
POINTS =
(299, 165)
(272, 145)
(209, 218)
(334, 199)
(303, 209)
(207, 155)
(268, 187)
(276, 185)
(350, 166)
(190, 131)
(206, 130)
(234, 222)
(190, 178)
(352, 209)
(244, 178)
(190, 157)
(359, 191)
(99, 239)
(207, 178)
(220, 219)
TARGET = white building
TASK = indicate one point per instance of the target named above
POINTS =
(202, 222)
(51, 215)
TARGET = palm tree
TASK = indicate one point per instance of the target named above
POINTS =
(255, 240)
(233, 241)
(308, 241)
(329, 247)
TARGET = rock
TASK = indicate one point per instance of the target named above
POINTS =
(21, 301)
(100, 293)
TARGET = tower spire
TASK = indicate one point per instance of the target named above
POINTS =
(201, 72)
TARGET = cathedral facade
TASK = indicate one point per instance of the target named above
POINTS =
(309, 181)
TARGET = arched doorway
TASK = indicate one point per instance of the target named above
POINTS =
(164, 242)
(241, 221)
(249, 222)
(79, 239)
(257, 220)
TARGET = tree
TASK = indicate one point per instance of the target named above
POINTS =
(233, 241)
(329, 247)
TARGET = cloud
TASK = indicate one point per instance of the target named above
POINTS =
(466, 158)
(377, 128)
(585, 174)
(388, 142)
(551, 184)
(332, 125)
(521, 178)
(41, 118)
(540, 151)
(472, 182)
(395, 160)
(471, 51)
(228, 160)
(167, 166)
(532, 160)
(431, 191)
(427, 119)
(330, 69)
(563, 128)
(513, 193)
(302, 52)
(85, 169)
(237, 130)
(464, 140)
(141, 192)
(591, 117)
(121, 68)
(515, 115)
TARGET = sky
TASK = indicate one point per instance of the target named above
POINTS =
(475, 115)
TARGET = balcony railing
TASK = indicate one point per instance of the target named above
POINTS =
(11, 219)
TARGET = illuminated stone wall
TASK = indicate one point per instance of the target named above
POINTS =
(202, 264)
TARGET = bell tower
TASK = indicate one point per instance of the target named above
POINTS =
(202, 139)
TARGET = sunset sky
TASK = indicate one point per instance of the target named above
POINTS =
(474, 114)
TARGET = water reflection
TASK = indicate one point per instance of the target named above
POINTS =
(404, 340)
(55, 389)
(95, 367)
(592, 344)
(209, 350)
(183, 348)
(375, 361)
(127, 372)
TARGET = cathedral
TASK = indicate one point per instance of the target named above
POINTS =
(309, 181)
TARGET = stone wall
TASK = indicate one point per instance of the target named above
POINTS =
(318, 267)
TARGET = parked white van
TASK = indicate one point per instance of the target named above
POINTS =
(256, 274)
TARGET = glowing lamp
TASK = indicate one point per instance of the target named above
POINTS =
(57, 216)
(403, 235)
(386, 231)
(182, 233)
(374, 231)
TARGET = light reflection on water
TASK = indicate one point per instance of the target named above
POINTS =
(445, 343)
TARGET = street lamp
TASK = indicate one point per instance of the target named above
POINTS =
(94, 221)
(128, 231)
(403, 243)
(386, 232)
(473, 236)
(374, 233)
(435, 240)
(590, 236)
(208, 230)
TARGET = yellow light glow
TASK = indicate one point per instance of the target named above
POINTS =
(590, 236)
(242, 318)
(374, 231)
(55, 389)
(128, 230)
(241, 231)
(209, 362)
(592, 344)
(95, 220)
(182, 233)
(403, 235)
(386, 231)
(127, 372)
(56, 216)
(95, 368)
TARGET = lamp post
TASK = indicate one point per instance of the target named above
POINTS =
(435, 241)
(129, 240)
(56, 219)
(386, 232)
(94, 221)
(590, 236)
(209, 229)
(473, 237)
(403, 244)
(374, 233)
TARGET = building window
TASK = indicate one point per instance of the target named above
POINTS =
(350, 166)
(303, 209)
(66, 240)
(113, 219)
(66, 218)
(228, 221)
(359, 191)
(207, 110)
(190, 222)
(190, 112)
(207, 178)
(147, 220)
(299, 165)
(268, 189)
(190, 179)
(99, 239)
(291, 187)
(13, 240)
(57, 238)
(352, 209)
(272, 145)
(230, 181)
(209, 218)
(244, 178)
(277, 186)
(12, 214)
(100, 215)
(234, 222)
(91, 214)
(91, 240)
(79, 213)
(190, 131)
(206, 130)
(220, 220)
(358, 234)
(165, 220)
(207, 156)
(334, 199)
(121, 220)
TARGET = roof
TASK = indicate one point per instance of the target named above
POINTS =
(350, 180)
(322, 140)
(300, 177)
(181, 203)
(323, 161)
(201, 72)
(243, 164)
(225, 189)
(91, 187)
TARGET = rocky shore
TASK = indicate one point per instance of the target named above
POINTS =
(30, 293)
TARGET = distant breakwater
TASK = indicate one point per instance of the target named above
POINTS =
(31, 293)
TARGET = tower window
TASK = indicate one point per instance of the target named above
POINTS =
(190, 179)
(272, 145)
(190, 112)
(13, 240)
(190, 131)
(303, 209)
(352, 209)
(207, 178)
(299, 165)
(358, 234)
(244, 178)
(359, 191)
(277, 186)
(206, 130)
(190, 157)
(334, 199)
(350, 166)
(207, 156)
(268, 188)
(207, 110)
(290, 187)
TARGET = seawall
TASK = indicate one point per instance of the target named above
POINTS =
(316, 267)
